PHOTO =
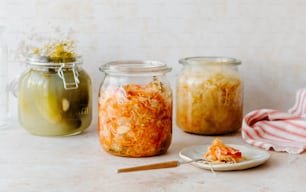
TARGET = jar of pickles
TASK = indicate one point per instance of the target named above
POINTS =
(54, 96)
(209, 97)
(135, 108)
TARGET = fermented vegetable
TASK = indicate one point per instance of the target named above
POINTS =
(221, 153)
(209, 101)
(135, 120)
(46, 106)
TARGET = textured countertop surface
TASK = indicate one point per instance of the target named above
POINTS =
(79, 164)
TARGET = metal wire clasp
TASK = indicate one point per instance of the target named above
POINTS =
(69, 75)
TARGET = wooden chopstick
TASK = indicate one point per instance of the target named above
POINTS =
(167, 164)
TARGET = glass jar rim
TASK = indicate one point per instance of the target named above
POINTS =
(44, 61)
(210, 60)
(134, 67)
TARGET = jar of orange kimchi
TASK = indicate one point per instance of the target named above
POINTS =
(135, 108)
(209, 95)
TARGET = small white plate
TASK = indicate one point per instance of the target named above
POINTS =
(254, 157)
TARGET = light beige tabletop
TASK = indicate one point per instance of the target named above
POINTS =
(79, 164)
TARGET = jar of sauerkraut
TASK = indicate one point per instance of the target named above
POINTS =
(54, 96)
(209, 95)
(135, 108)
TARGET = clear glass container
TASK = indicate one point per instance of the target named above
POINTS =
(135, 108)
(3, 80)
(209, 95)
(54, 99)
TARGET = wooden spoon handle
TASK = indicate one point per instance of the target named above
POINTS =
(167, 164)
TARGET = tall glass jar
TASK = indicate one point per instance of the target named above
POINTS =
(54, 99)
(135, 108)
(3, 80)
(209, 97)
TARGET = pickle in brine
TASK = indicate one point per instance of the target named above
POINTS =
(45, 98)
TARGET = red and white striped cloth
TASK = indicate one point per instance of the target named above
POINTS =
(272, 129)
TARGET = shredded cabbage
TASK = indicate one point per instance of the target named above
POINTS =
(220, 153)
(135, 120)
(209, 102)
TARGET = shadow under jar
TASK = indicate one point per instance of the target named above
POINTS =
(54, 99)
(135, 108)
(209, 95)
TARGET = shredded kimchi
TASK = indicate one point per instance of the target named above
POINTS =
(135, 120)
(221, 153)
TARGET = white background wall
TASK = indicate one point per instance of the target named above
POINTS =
(269, 36)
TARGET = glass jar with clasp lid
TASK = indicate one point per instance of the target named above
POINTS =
(54, 96)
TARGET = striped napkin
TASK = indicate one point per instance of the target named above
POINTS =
(272, 129)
